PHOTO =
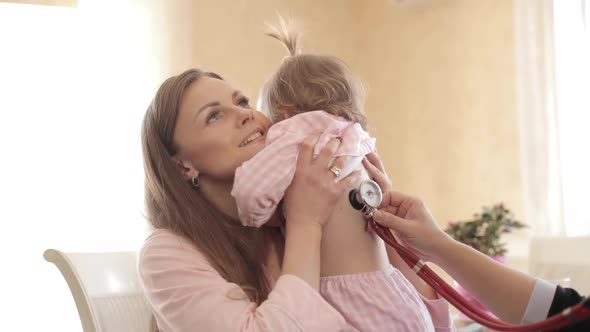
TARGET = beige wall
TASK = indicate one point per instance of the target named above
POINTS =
(442, 101)
(440, 76)
(228, 36)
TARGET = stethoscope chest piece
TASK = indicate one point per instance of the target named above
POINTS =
(366, 198)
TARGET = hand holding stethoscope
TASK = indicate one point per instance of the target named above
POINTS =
(368, 197)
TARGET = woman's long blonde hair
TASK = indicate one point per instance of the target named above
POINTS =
(172, 203)
(309, 82)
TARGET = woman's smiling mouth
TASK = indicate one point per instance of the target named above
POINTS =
(255, 136)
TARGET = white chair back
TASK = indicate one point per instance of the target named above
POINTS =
(106, 290)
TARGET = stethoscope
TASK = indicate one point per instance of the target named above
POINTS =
(368, 197)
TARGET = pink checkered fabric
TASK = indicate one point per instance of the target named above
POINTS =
(260, 182)
(384, 301)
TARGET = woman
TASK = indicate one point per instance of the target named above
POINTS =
(201, 269)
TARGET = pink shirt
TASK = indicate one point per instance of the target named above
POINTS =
(260, 182)
(186, 293)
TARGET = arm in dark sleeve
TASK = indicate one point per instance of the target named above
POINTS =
(564, 298)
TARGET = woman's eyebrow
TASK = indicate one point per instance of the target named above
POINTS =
(214, 103)
(204, 107)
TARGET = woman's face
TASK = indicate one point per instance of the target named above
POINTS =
(217, 130)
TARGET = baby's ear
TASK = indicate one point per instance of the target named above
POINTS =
(186, 169)
(282, 114)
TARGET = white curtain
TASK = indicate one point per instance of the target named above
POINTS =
(537, 114)
(552, 59)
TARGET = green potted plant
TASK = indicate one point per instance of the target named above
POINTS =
(483, 234)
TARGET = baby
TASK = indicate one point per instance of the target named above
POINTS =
(313, 93)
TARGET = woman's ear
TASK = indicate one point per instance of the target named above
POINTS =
(186, 168)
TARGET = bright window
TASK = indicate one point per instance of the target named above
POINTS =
(74, 84)
(572, 82)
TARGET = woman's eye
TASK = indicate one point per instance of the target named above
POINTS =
(244, 102)
(213, 116)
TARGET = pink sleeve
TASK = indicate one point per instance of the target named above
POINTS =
(439, 313)
(260, 182)
(186, 294)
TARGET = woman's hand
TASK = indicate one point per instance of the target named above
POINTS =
(412, 224)
(407, 217)
(311, 197)
(309, 202)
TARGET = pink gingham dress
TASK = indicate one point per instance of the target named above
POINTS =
(385, 301)
(260, 182)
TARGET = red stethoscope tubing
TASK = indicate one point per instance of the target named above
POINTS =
(574, 314)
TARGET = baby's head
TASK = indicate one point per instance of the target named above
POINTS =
(311, 82)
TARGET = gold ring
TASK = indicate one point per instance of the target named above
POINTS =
(335, 170)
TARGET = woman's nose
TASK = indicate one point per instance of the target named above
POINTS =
(244, 116)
